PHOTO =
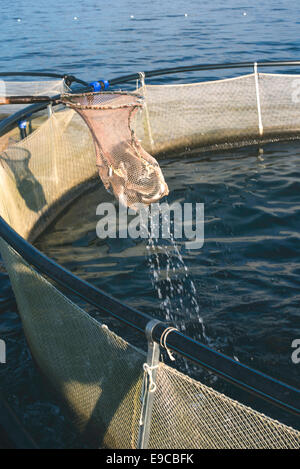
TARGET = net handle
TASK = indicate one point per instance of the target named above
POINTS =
(64, 99)
(25, 99)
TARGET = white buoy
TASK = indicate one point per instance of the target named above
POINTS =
(132, 17)
(245, 14)
(185, 14)
(19, 20)
(75, 18)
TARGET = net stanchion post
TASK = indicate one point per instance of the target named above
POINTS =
(149, 386)
(144, 91)
(260, 124)
(29, 117)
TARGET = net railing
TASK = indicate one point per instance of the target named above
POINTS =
(98, 374)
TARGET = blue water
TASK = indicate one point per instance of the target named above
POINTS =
(256, 322)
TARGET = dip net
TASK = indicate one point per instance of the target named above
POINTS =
(126, 169)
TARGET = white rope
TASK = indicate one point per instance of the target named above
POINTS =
(148, 370)
(142, 78)
(260, 124)
(163, 341)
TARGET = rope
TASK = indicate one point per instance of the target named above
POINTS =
(163, 341)
(148, 370)
(142, 78)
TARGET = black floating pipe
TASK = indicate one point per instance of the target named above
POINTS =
(69, 79)
(33, 74)
(257, 383)
(263, 386)
(201, 67)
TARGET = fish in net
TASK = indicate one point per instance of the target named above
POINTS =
(126, 169)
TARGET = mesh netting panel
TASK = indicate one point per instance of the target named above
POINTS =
(29, 88)
(218, 114)
(124, 166)
(97, 373)
(188, 414)
(38, 173)
(280, 101)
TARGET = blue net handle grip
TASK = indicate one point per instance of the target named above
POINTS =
(22, 124)
(100, 85)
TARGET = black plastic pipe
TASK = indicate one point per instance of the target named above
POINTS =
(257, 383)
(201, 67)
(69, 79)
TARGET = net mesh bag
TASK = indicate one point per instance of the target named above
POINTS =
(124, 166)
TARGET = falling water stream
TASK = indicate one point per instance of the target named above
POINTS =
(171, 280)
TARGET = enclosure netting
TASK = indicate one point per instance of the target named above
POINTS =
(29, 88)
(98, 374)
(220, 114)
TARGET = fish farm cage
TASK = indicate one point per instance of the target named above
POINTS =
(50, 151)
